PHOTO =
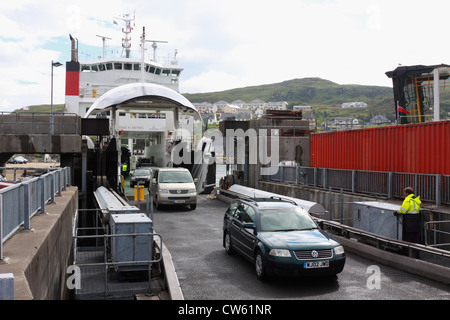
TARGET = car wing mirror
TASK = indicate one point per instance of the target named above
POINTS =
(249, 225)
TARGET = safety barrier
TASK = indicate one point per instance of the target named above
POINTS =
(434, 231)
(430, 187)
(21, 201)
(94, 260)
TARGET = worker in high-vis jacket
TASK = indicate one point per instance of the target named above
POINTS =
(410, 211)
(124, 169)
(411, 204)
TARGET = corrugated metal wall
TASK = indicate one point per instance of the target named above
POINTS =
(415, 148)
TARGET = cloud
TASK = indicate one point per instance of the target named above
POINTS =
(222, 44)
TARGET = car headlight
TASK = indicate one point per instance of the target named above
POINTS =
(280, 253)
(192, 191)
(338, 250)
(163, 191)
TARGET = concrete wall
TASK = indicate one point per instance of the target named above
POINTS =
(39, 258)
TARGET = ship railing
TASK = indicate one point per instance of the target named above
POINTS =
(21, 201)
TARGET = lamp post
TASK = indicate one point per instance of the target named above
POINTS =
(54, 64)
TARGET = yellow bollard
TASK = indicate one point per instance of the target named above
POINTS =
(139, 193)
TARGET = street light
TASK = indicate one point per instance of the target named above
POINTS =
(54, 64)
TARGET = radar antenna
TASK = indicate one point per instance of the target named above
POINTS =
(154, 45)
(104, 44)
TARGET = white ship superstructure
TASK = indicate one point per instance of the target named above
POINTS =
(96, 77)
(141, 98)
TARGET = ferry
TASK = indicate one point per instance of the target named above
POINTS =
(149, 120)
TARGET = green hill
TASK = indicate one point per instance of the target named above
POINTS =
(43, 108)
(324, 96)
(306, 91)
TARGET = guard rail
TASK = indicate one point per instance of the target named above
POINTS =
(21, 201)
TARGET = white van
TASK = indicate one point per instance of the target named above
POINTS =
(173, 186)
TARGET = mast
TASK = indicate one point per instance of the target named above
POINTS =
(126, 42)
(154, 46)
(103, 43)
(142, 54)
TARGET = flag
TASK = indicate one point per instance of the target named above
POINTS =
(25, 108)
(403, 110)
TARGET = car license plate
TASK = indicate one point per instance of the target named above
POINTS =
(179, 201)
(316, 264)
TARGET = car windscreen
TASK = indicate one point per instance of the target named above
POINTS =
(285, 219)
(142, 172)
(174, 177)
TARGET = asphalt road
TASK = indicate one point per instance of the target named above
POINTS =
(206, 272)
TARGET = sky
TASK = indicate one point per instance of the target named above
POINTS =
(222, 44)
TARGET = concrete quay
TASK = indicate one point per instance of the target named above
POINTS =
(35, 261)
(38, 258)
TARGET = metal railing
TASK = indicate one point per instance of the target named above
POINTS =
(102, 244)
(430, 187)
(383, 242)
(437, 229)
(21, 201)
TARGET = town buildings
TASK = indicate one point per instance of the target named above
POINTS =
(255, 109)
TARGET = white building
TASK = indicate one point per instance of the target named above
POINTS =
(354, 105)
(279, 105)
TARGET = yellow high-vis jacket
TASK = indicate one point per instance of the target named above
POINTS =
(410, 205)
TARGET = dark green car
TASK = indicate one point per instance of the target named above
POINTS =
(280, 238)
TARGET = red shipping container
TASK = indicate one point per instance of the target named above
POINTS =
(413, 148)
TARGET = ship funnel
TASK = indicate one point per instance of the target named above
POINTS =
(73, 79)
(74, 48)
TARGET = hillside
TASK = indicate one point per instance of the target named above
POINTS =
(325, 96)
(306, 91)
(43, 108)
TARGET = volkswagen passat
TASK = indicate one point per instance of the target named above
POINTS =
(280, 238)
